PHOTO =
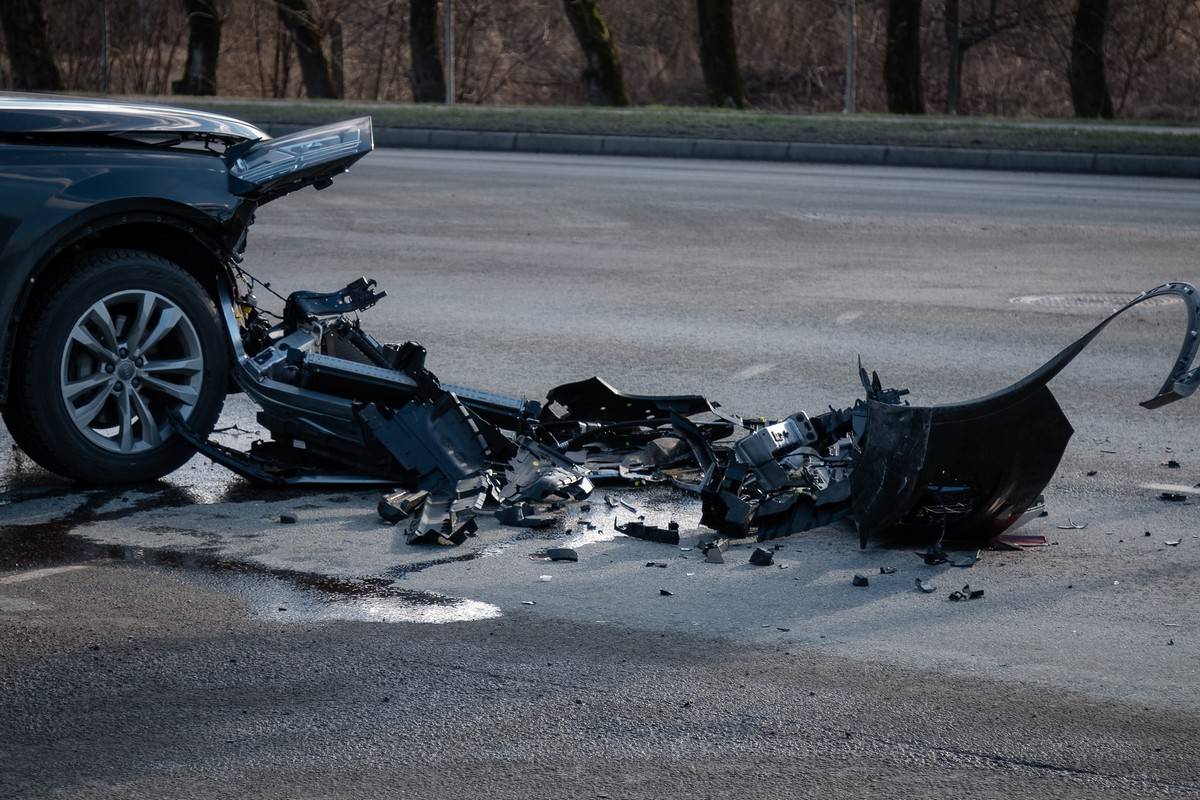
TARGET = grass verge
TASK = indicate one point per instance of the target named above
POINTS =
(935, 131)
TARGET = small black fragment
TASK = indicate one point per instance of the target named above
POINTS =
(1172, 497)
(966, 593)
(1147, 533)
(860, 580)
(887, 570)
(934, 555)
(562, 554)
(289, 518)
(1171, 464)
(761, 557)
(665, 593)
(659, 564)
(1091, 473)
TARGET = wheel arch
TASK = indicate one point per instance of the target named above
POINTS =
(175, 232)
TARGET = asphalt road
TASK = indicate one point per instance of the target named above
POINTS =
(175, 640)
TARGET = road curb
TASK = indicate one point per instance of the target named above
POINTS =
(796, 152)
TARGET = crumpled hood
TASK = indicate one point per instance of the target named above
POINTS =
(60, 114)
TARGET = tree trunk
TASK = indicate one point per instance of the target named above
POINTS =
(29, 55)
(1089, 81)
(204, 43)
(298, 16)
(902, 61)
(954, 56)
(603, 80)
(718, 54)
(427, 78)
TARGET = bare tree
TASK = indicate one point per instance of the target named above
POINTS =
(29, 55)
(427, 76)
(203, 47)
(964, 33)
(902, 58)
(1087, 74)
(603, 79)
(301, 22)
(718, 54)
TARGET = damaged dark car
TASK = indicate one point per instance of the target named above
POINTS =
(129, 313)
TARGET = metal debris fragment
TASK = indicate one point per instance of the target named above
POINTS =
(860, 580)
(1072, 526)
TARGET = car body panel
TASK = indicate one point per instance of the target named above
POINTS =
(54, 114)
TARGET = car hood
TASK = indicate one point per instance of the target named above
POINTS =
(58, 114)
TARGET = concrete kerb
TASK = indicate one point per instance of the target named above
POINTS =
(800, 152)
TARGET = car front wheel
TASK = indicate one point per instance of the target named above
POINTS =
(127, 338)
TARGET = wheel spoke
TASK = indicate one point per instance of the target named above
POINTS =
(98, 313)
(150, 434)
(84, 337)
(76, 388)
(184, 394)
(187, 366)
(167, 320)
(125, 409)
(137, 328)
(84, 415)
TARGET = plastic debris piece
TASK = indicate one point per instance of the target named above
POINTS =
(528, 603)
(289, 518)
(887, 570)
(649, 533)
(1173, 497)
(1171, 463)
(925, 586)
(860, 580)
(761, 557)
(966, 593)
(968, 560)
(659, 564)
(523, 515)
(1172, 542)
(1072, 526)
(399, 506)
(665, 593)
(1023, 540)
(545, 578)
(562, 554)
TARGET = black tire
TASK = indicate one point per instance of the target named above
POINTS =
(37, 413)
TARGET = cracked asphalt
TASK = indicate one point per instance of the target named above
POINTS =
(176, 640)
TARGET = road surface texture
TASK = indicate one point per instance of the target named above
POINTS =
(175, 640)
